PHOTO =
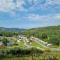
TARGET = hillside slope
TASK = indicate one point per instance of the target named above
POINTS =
(49, 34)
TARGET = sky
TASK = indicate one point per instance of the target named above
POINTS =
(29, 13)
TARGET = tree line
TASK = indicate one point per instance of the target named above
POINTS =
(8, 34)
(20, 52)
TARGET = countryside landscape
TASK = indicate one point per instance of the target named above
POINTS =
(30, 44)
(29, 29)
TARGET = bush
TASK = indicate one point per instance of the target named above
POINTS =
(47, 50)
(44, 36)
(5, 41)
(54, 40)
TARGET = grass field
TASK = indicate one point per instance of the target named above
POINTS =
(21, 44)
(36, 45)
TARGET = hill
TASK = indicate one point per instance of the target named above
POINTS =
(9, 32)
(3, 29)
(51, 30)
(49, 34)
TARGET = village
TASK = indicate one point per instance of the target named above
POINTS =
(24, 42)
(28, 41)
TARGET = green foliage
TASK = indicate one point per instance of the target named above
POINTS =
(19, 52)
(8, 34)
(5, 41)
(54, 40)
(32, 53)
(45, 33)
(44, 36)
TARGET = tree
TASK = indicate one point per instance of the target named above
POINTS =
(35, 52)
(44, 35)
(54, 40)
(5, 41)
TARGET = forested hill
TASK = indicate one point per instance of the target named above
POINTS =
(51, 31)
(49, 27)
(37, 32)
(2, 29)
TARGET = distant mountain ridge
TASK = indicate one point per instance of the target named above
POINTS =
(32, 29)
(11, 29)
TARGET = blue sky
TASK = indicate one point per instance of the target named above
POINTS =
(29, 13)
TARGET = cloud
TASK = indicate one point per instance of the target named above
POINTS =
(18, 5)
(35, 20)
(6, 5)
(53, 2)
(36, 17)
(44, 4)
(10, 5)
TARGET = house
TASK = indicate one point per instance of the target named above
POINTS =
(21, 37)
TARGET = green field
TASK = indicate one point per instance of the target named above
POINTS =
(21, 44)
(35, 44)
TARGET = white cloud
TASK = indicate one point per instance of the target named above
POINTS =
(19, 5)
(56, 17)
(35, 17)
(9, 5)
(6, 5)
